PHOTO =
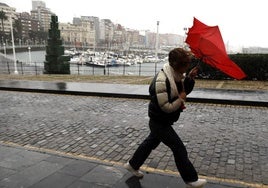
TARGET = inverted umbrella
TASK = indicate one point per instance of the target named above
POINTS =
(206, 44)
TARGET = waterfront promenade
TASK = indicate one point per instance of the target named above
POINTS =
(82, 139)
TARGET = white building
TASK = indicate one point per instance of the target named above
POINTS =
(78, 35)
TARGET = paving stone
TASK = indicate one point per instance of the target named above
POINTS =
(77, 168)
(231, 161)
(5, 152)
(59, 160)
(6, 172)
(22, 159)
(30, 175)
(58, 180)
(104, 175)
(84, 184)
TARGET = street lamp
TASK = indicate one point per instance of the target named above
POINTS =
(156, 46)
(5, 52)
(185, 29)
(157, 41)
(30, 57)
(13, 46)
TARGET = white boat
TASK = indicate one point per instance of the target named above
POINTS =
(72, 52)
(80, 59)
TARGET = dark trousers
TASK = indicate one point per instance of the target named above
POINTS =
(166, 134)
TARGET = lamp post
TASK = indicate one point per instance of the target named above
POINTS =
(185, 29)
(156, 46)
(30, 57)
(5, 52)
(13, 47)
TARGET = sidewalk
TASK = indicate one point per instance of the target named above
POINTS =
(27, 168)
(220, 96)
(31, 167)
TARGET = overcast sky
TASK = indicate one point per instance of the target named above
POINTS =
(242, 23)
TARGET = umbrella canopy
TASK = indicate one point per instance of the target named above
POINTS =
(207, 44)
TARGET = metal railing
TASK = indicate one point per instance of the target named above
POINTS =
(37, 68)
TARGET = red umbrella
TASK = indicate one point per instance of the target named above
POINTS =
(206, 43)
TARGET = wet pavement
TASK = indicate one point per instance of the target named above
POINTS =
(51, 140)
(220, 96)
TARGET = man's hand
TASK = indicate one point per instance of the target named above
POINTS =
(193, 73)
(182, 95)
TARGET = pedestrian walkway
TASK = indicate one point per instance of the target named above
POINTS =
(33, 167)
(221, 96)
(29, 167)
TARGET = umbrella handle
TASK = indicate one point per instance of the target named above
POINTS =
(199, 64)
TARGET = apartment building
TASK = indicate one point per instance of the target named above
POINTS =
(41, 13)
(10, 12)
(28, 25)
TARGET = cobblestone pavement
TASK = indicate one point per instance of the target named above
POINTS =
(223, 141)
